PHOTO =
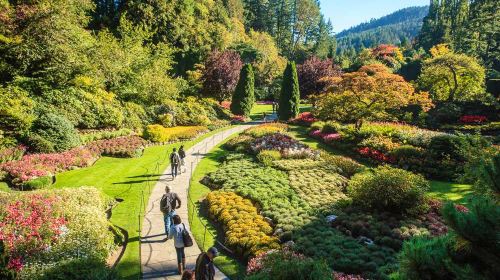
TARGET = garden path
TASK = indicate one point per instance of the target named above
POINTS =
(158, 257)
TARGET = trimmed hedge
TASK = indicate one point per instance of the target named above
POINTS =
(158, 133)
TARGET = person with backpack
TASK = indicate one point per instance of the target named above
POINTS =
(205, 269)
(182, 239)
(168, 203)
(182, 156)
(175, 161)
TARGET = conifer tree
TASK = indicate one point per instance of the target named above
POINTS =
(290, 94)
(244, 96)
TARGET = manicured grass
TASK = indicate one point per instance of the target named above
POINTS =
(442, 190)
(459, 193)
(4, 187)
(197, 217)
(128, 179)
(258, 110)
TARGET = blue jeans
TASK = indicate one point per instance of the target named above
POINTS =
(180, 254)
(175, 168)
(167, 218)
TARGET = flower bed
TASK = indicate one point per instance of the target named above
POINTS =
(246, 231)
(158, 133)
(286, 145)
(37, 165)
(304, 119)
(12, 153)
(266, 129)
(41, 230)
(473, 119)
(128, 146)
(90, 136)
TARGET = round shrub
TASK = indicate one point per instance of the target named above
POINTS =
(56, 130)
(38, 183)
(389, 189)
(267, 157)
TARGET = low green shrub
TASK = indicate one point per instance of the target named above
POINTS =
(103, 135)
(241, 143)
(56, 130)
(158, 133)
(38, 183)
(331, 127)
(347, 166)
(267, 157)
(389, 189)
(76, 269)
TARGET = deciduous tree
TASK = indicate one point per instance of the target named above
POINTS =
(221, 74)
(367, 94)
(312, 74)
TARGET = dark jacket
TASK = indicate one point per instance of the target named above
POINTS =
(205, 269)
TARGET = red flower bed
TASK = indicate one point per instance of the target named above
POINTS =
(238, 119)
(376, 155)
(225, 104)
(36, 165)
(29, 226)
(343, 276)
(305, 119)
(13, 153)
(473, 119)
(127, 146)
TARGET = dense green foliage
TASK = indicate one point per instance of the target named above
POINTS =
(244, 95)
(53, 133)
(289, 101)
(400, 27)
(468, 26)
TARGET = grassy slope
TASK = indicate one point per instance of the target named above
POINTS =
(125, 178)
(441, 190)
(197, 192)
(257, 110)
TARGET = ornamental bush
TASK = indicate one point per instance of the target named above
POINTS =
(158, 133)
(244, 96)
(245, 229)
(289, 101)
(128, 146)
(389, 189)
(42, 230)
(57, 131)
(267, 157)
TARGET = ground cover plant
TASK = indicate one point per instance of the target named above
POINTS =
(43, 230)
(323, 204)
(158, 133)
(437, 155)
(127, 146)
(246, 231)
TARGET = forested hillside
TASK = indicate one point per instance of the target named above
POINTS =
(399, 27)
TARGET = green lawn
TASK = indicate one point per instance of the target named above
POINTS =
(258, 110)
(126, 178)
(197, 192)
(442, 190)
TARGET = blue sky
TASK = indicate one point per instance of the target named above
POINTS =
(347, 13)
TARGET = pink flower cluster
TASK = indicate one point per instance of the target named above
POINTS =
(461, 208)
(13, 153)
(376, 155)
(36, 165)
(305, 119)
(258, 263)
(326, 137)
(473, 119)
(127, 146)
(225, 104)
(343, 276)
(29, 226)
(277, 141)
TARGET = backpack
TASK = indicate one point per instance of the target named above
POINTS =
(174, 158)
(166, 203)
(186, 238)
(182, 154)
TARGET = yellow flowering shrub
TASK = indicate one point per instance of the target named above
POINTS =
(266, 129)
(246, 231)
(158, 133)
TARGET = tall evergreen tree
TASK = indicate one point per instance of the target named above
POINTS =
(289, 101)
(244, 96)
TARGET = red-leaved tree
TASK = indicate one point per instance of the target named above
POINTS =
(221, 74)
(312, 74)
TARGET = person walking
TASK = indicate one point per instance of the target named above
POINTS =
(205, 269)
(176, 233)
(182, 156)
(168, 203)
(175, 161)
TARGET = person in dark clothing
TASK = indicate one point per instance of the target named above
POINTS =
(205, 269)
(168, 203)
(182, 155)
(175, 161)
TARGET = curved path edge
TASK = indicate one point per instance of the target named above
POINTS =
(158, 257)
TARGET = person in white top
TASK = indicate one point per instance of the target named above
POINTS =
(175, 233)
